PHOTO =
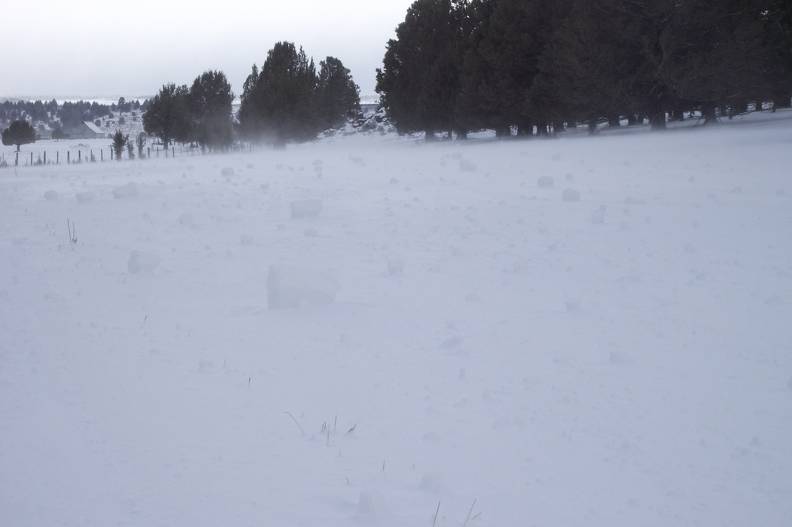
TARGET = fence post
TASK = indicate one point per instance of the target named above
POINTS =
(45, 157)
(31, 159)
(173, 151)
(57, 157)
(68, 157)
(79, 156)
(16, 160)
(148, 149)
(101, 155)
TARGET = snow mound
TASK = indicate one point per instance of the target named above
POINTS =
(307, 208)
(186, 219)
(51, 195)
(545, 182)
(84, 197)
(130, 190)
(571, 195)
(371, 507)
(290, 288)
(432, 483)
(395, 266)
(227, 172)
(467, 166)
(598, 216)
(141, 262)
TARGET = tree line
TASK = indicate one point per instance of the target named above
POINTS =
(286, 100)
(537, 66)
(61, 118)
(524, 66)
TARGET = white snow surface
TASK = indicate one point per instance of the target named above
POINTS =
(518, 359)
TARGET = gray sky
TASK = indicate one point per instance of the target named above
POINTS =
(107, 48)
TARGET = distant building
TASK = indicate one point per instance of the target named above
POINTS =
(96, 130)
(369, 104)
(84, 130)
(368, 108)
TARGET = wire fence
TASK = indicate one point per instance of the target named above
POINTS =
(58, 155)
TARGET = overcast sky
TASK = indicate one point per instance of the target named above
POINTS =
(106, 48)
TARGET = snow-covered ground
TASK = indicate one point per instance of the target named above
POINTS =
(577, 332)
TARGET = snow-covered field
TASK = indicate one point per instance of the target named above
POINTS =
(575, 332)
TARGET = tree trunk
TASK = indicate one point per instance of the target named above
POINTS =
(738, 108)
(708, 112)
(559, 127)
(782, 101)
(502, 131)
(657, 120)
(430, 136)
(525, 128)
(614, 121)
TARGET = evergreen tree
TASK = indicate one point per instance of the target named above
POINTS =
(776, 17)
(278, 104)
(715, 53)
(19, 133)
(420, 79)
(506, 55)
(477, 103)
(168, 116)
(586, 71)
(337, 95)
(119, 143)
(140, 141)
(210, 106)
(58, 133)
(248, 111)
(611, 58)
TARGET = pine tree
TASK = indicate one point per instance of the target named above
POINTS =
(19, 133)
(337, 95)
(586, 70)
(420, 79)
(776, 20)
(248, 112)
(119, 143)
(278, 104)
(168, 116)
(501, 64)
(715, 53)
(210, 106)
(140, 141)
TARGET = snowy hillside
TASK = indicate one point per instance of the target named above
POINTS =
(374, 331)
